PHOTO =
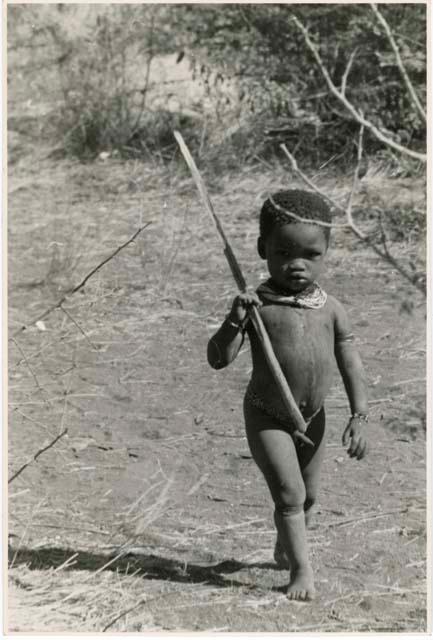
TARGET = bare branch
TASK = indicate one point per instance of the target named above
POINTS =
(355, 177)
(350, 224)
(349, 106)
(311, 184)
(347, 71)
(79, 286)
(402, 69)
(101, 264)
(36, 456)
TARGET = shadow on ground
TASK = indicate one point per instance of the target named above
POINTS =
(150, 566)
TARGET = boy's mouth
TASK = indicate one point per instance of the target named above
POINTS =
(297, 278)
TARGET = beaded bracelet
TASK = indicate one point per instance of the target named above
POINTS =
(239, 327)
(359, 416)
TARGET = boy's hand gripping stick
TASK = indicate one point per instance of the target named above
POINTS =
(291, 407)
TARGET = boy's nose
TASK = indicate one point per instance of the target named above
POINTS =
(297, 265)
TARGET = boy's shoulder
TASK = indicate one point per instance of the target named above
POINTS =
(335, 306)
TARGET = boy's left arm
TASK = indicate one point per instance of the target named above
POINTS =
(351, 369)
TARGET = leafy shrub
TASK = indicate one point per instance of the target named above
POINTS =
(260, 49)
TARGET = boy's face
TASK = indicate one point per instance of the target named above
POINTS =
(295, 254)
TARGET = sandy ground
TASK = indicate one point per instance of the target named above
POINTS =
(155, 461)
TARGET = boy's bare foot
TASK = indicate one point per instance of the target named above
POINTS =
(301, 586)
(280, 556)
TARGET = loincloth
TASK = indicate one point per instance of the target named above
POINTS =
(256, 401)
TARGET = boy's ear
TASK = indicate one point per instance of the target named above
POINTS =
(261, 248)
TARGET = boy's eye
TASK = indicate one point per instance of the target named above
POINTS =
(314, 254)
(283, 252)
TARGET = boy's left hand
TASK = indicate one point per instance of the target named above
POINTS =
(358, 441)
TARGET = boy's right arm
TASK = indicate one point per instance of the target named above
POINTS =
(224, 346)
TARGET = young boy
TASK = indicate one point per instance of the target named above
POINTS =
(307, 329)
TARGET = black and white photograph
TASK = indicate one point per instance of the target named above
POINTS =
(217, 277)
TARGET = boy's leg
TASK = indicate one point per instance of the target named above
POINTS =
(310, 461)
(275, 454)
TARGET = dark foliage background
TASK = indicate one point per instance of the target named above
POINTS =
(259, 83)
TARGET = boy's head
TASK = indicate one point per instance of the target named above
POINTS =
(294, 249)
(303, 204)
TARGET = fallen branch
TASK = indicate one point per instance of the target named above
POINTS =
(400, 64)
(340, 95)
(36, 456)
(79, 286)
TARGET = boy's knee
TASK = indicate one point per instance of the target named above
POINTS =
(285, 511)
(290, 499)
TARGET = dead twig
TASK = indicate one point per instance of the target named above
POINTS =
(198, 484)
(67, 563)
(34, 376)
(41, 525)
(125, 612)
(80, 329)
(366, 518)
(135, 606)
(401, 67)
(36, 422)
(347, 71)
(79, 286)
(228, 527)
(35, 510)
(390, 592)
(357, 115)
(36, 455)
(404, 382)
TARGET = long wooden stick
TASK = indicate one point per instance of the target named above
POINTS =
(289, 402)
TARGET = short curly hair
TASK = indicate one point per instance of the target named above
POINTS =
(304, 204)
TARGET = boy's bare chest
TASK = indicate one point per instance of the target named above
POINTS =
(300, 335)
(303, 342)
(291, 324)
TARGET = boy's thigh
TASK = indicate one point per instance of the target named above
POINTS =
(311, 458)
(274, 452)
